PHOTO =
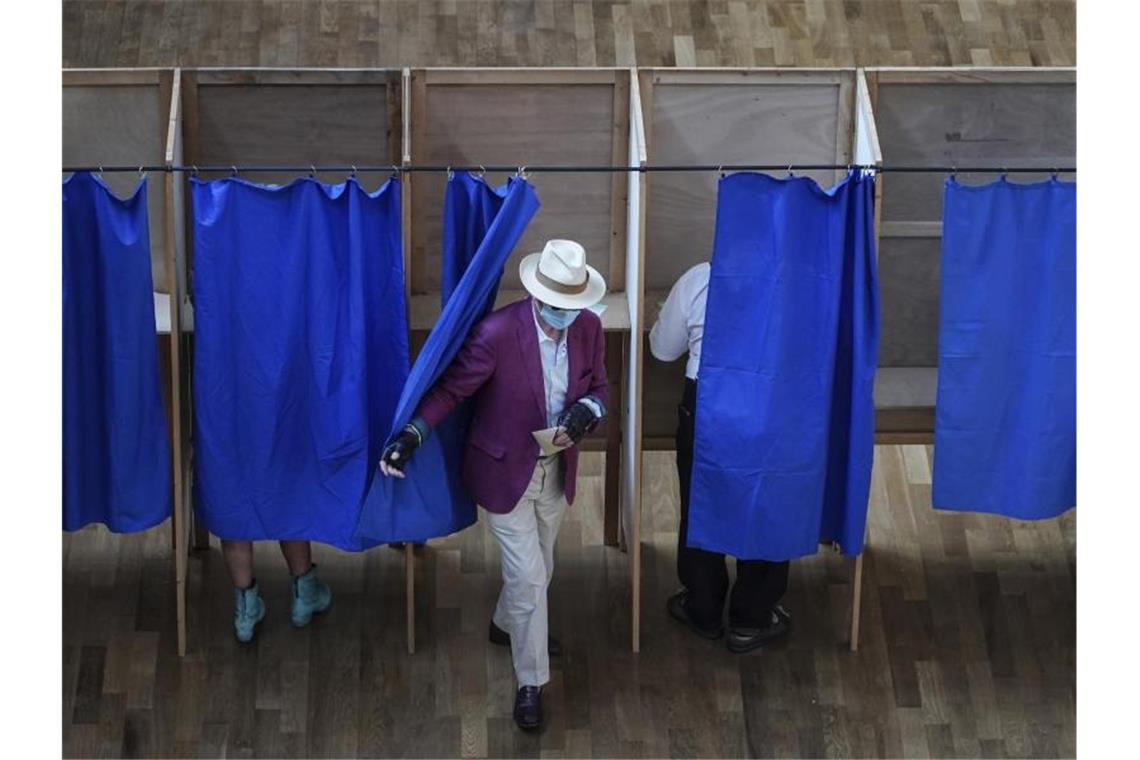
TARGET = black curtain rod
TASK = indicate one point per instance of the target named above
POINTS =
(233, 170)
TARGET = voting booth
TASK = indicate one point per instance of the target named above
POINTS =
(295, 118)
(130, 117)
(946, 117)
(533, 118)
(754, 117)
(641, 229)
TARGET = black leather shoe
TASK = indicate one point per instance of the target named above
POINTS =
(742, 640)
(676, 607)
(499, 637)
(528, 708)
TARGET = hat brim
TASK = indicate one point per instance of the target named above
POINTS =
(595, 287)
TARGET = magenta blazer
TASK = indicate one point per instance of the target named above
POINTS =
(500, 367)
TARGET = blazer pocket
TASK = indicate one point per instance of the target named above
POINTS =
(490, 448)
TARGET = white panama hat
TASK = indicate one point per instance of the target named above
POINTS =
(558, 275)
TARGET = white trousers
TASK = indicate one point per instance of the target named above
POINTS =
(526, 545)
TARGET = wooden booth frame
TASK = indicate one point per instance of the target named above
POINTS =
(102, 126)
(544, 116)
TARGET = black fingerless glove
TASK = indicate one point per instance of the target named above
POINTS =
(577, 420)
(398, 452)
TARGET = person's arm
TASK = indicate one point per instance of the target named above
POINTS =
(472, 366)
(669, 338)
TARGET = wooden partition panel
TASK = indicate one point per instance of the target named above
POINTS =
(118, 117)
(526, 117)
(632, 406)
(753, 116)
(295, 117)
(946, 117)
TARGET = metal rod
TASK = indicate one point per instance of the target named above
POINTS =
(394, 169)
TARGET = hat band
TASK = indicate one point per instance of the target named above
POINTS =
(558, 287)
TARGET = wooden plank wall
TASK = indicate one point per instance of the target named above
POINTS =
(297, 117)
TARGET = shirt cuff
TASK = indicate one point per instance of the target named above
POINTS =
(593, 405)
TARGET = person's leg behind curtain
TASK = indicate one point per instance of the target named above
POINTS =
(759, 587)
(702, 573)
(311, 596)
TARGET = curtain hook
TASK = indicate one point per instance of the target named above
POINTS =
(790, 174)
(395, 172)
(100, 175)
(352, 174)
(1004, 174)
(233, 170)
(954, 173)
(521, 173)
(193, 170)
(1056, 172)
(720, 171)
(450, 174)
(482, 171)
(142, 174)
(312, 171)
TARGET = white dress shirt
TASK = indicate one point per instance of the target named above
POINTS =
(555, 370)
(681, 323)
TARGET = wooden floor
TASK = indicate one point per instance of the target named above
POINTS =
(392, 33)
(968, 648)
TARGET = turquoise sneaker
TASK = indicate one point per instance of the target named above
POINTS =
(248, 612)
(310, 597)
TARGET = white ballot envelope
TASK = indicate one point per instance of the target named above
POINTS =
(545, 440)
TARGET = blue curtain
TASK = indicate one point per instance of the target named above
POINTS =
(469, 208)
(116, 451)
(301, 351)
(1005, 424)
(431, 501)
(785, 417)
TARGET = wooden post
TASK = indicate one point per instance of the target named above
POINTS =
(407, 102)
(178, 519)
(410, 594)
(611, 505)
(856, 599)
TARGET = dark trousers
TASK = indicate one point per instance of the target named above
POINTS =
(759, 584)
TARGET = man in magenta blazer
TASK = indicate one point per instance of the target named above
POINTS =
(537, 364)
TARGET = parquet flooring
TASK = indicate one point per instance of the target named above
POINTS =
(393, 33)
(968, 648)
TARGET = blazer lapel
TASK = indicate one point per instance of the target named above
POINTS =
(531, 361)
(576, 355)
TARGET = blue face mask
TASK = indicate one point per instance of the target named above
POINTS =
(559, 319)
